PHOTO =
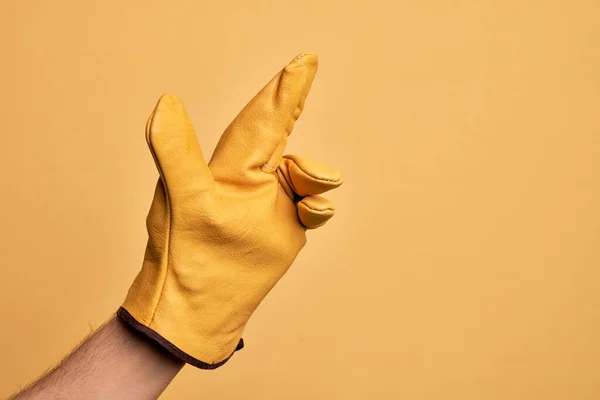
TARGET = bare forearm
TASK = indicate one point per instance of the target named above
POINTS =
(113, 363)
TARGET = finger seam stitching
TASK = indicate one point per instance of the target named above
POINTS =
(318, 210)
(320, 179)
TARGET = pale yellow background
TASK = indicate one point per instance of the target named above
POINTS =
(464, 259)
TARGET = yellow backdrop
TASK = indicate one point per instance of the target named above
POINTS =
(464, 261)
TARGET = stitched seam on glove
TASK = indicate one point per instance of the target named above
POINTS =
(318, 179)
(316, 209)
(162, 289)
(168, 233)
(158, 339)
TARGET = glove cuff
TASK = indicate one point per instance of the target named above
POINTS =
(132, 323)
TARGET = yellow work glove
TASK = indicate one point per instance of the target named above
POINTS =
(221, 235)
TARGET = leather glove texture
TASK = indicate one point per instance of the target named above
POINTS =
(220, 235)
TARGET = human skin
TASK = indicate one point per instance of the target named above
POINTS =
(113, 363)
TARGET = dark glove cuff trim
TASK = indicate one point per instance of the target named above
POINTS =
(124, 315)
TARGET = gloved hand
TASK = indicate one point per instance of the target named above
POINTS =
(221, 235)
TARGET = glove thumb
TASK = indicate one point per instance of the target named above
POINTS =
(175, 148)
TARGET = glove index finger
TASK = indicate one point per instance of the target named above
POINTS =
(257, 134)
(294, 85)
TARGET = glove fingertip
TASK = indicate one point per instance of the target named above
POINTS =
(315, 211)
(311, 177)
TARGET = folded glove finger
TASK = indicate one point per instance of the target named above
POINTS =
(315, 211)
(306, 177)
(175, 148)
